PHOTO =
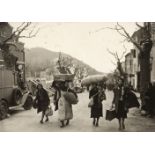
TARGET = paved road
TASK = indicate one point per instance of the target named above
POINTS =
(29, 120)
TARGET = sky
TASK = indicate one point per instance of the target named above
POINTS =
(83, 40)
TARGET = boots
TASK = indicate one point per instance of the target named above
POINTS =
(94, 122)
(47, 119)
(62, 124)
(41, 121)
(67, 123)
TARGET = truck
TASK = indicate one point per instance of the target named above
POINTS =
(14, 92)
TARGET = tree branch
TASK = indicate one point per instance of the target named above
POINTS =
(19, 30)
(138, 25)
(113, 54)
(113, 63)
(126, 34)
(123, 52)
(122, 31)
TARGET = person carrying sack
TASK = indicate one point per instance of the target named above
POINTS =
(65, 112)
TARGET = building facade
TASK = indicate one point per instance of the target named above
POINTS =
(132, 66)
(152, 58)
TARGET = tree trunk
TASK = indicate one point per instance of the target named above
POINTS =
(145, 69)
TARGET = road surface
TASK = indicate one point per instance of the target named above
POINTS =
(29, 121)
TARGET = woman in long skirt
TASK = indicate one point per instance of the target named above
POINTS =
(96, 94)
(120, 104)
(65, 112)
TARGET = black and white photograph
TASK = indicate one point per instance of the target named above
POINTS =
(77, 76)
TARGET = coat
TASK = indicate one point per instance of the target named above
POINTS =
(96, 109)
(120, 104)
(56, 98)
(117, 96)
(130, 99)
(42, 100)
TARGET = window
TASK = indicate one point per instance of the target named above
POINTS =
(133, 51)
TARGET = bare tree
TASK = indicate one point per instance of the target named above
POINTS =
(13, 40)
(80, 72)
(66, 65)
(118, 60)
(144, 46)
(18, 34)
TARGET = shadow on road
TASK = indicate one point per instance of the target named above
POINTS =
(13, 112)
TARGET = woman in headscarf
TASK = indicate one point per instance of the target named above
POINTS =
(97, 94)
(43, 101)
(119, 103)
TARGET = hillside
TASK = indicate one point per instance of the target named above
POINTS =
(40, 59)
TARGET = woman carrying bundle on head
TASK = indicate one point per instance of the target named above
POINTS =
(67, 98)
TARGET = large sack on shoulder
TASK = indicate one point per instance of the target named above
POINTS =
(93, 79)
(70, 97)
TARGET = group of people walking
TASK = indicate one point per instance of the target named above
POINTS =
(123, 99)
(65, 97)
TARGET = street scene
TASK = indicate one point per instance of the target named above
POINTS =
(28, 121)
(77, 77)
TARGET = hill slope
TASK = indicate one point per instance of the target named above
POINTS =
(40, 59)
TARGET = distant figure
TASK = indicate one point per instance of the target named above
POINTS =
(43, 101)
(97, 94)
(119, 103)
(65, 112)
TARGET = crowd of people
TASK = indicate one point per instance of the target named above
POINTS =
(64, 97)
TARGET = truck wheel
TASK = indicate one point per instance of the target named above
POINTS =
(3, 109)
(28, 103)
(17, 96)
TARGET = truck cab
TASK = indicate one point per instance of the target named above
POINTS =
(13, 90)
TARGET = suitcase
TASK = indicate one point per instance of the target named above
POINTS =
(110, 115)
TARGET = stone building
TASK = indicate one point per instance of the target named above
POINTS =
(152, 58)
(5, 31)
(132, 59)
(129, 68)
